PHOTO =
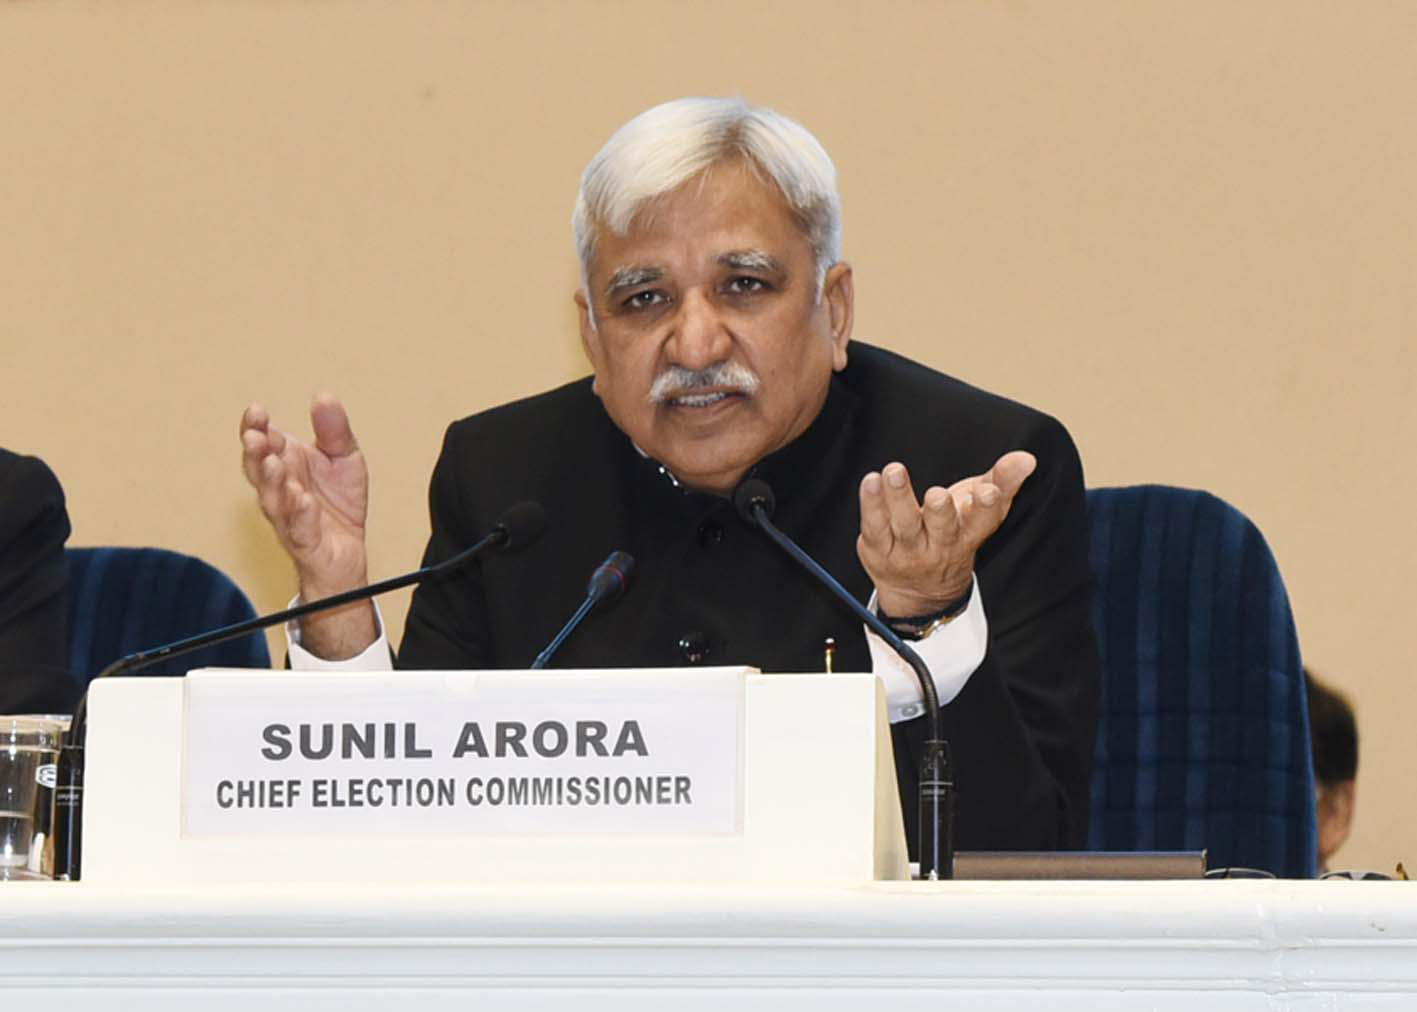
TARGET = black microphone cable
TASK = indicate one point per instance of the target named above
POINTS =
(755, 502)
(520, 525)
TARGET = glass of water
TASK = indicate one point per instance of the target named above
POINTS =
(29, 748)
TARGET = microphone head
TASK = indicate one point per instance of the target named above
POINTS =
(521, 524)
(611, 577)
(751, 494)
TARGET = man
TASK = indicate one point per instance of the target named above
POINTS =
(717, 314)
(1333, 733)
(34, 645)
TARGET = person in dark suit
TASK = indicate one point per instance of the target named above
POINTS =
(33, 578)
(1333, 734)
(717, 314)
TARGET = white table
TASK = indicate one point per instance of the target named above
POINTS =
(979, 946)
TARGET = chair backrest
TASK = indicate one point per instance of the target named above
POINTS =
(1203, 728)
(122, 600)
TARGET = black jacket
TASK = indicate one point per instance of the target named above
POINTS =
(33, 578)
(710, 589)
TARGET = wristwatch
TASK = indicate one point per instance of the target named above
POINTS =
(917, 627)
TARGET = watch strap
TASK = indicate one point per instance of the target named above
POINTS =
(917, 627)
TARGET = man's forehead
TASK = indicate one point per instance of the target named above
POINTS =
(749, 259)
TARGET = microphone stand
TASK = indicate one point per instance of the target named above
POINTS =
(936, 842)
(607, 582)
(523, 522)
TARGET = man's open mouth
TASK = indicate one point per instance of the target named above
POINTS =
(702, 400)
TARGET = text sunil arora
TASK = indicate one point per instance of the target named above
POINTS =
(509, 738)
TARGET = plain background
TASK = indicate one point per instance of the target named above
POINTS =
(1188, 229)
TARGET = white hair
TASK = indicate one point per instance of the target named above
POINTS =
(663, 147)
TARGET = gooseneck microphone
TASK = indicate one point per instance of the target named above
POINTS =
(755, 503)
(519, 526)
(607, 583)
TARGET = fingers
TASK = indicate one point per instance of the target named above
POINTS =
(890, 514)
(255, 417)
(902, 538)
(994, 490)
(942, 519)
(920, 553)
(255, 442)
(302, 516)
(291, 509)
(258, 441)
(271, 488)
(972, 507)
(984, 500)
(315, 498)
(333, 435)
(907, 529)
(1010, 471)
(892, 517)
(875, 517)
(267, 471)
(910, 548)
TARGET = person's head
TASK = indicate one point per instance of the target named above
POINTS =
(1334, 735)
(714, 306)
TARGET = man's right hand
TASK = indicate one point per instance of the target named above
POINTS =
(317, 500)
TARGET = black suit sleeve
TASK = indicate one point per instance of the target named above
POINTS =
(33, 577)
(447, 626)
(1023, 728)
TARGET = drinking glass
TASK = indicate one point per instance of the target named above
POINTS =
(29, 748)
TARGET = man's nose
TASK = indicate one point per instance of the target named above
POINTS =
(701, 337)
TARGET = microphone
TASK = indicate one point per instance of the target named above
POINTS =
(518, 527)
(755, 503)
(606, 583)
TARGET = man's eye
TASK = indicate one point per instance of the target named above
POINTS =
(746, 285)
(645, 299)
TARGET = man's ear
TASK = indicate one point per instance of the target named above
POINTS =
(590, 337)
(839, 297)
(1336, 803)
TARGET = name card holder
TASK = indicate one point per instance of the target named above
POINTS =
(602, 777)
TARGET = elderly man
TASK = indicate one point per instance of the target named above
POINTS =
(716, 313)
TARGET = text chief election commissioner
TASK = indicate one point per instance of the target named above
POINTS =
(716, 313)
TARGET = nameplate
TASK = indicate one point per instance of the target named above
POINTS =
(284, 754)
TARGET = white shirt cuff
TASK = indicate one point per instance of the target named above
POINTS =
(952, 653)
(375, 658)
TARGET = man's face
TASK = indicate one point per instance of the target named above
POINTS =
(715, 273)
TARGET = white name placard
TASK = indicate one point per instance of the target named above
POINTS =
(459, 753)
(814, 750)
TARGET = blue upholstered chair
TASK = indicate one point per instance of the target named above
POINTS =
(1203, 729)
(122, 600)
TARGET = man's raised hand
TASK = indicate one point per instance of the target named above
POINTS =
(317, 500)
(921, 557)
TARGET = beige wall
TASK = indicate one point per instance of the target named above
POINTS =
(1187, 229)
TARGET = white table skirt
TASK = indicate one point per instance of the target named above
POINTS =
(983, 946)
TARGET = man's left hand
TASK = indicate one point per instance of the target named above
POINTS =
(921, 557)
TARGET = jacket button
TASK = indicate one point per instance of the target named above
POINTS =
(694, 647)
(710, 533)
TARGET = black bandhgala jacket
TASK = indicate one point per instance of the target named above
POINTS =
(708, 588)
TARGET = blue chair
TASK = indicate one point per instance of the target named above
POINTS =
(122, 600)
(1203, 728)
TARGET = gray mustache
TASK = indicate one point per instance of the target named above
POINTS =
(676, 380)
